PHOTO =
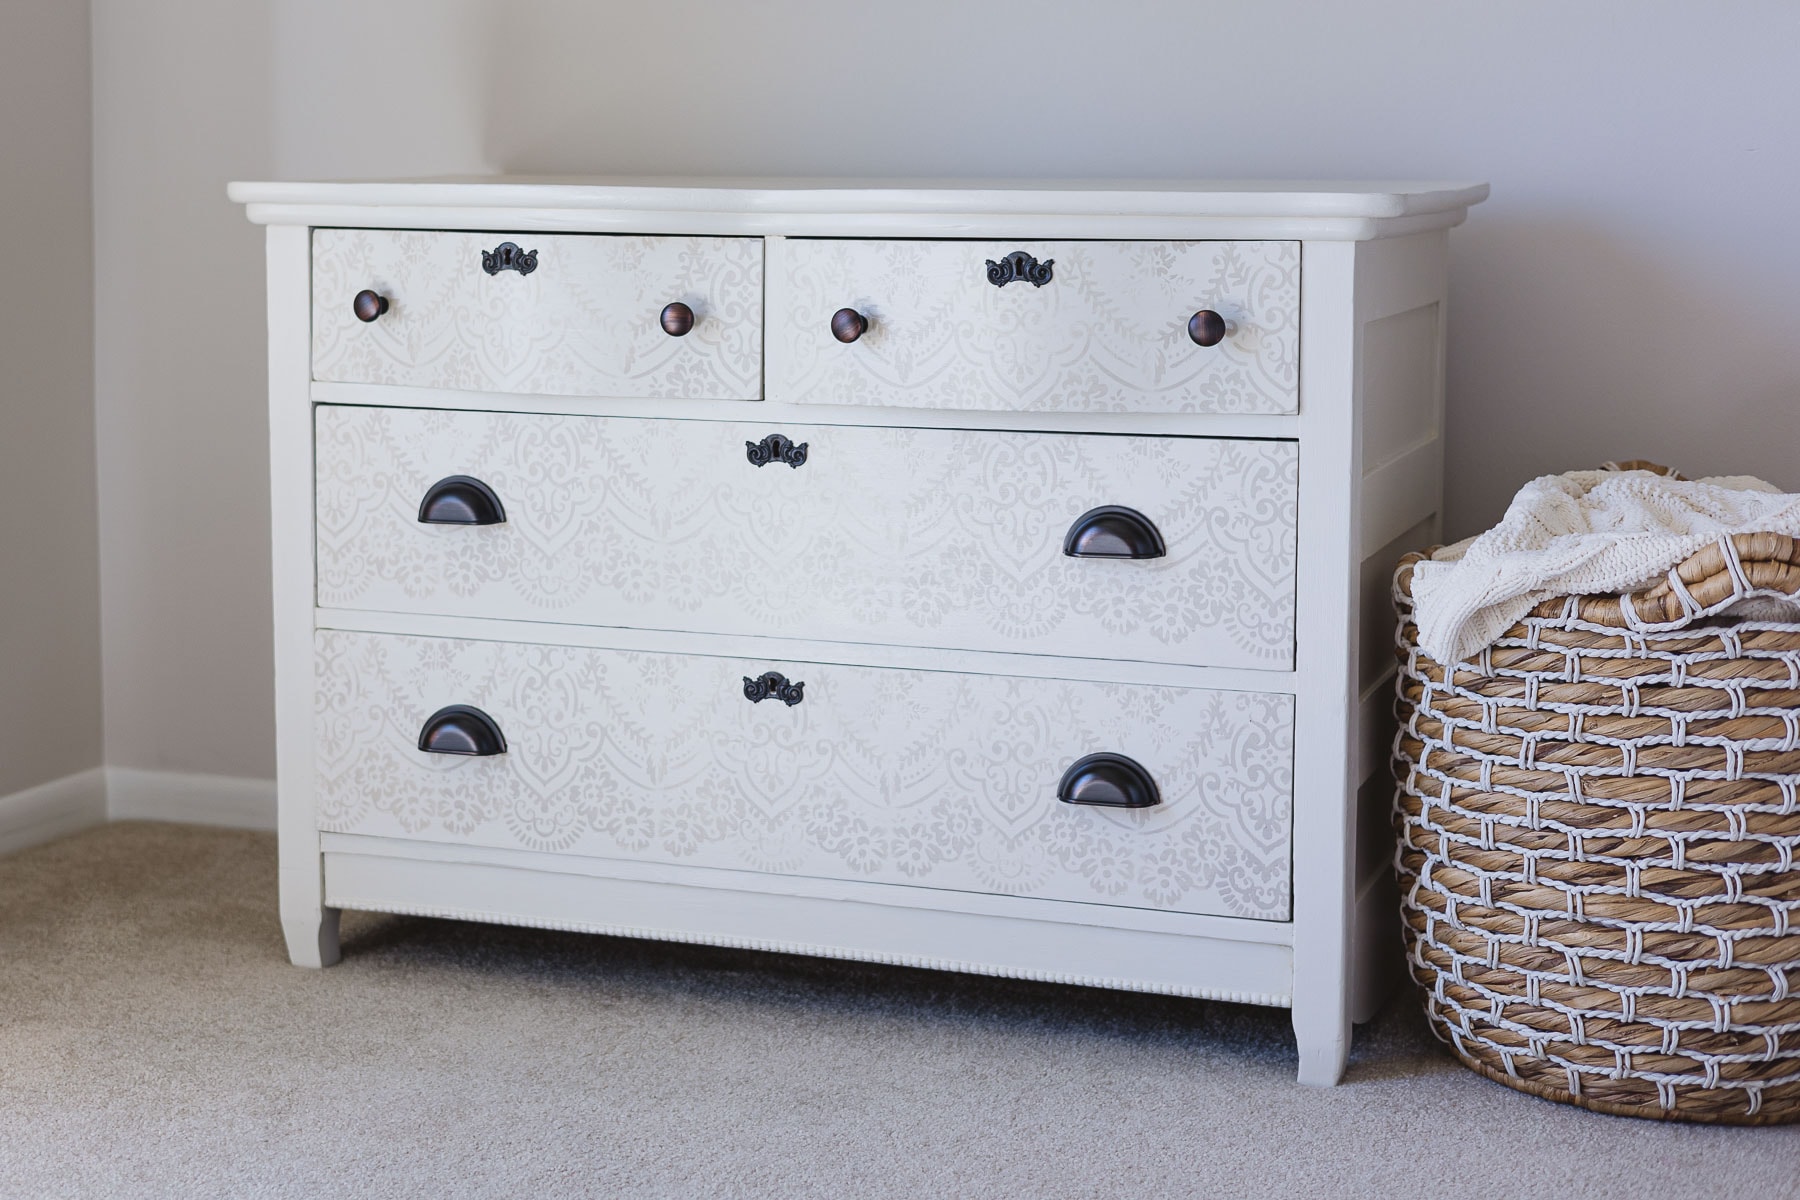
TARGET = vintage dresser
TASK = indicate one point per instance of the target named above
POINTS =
(986, 578)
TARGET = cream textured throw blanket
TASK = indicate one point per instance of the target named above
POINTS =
(1582, 533)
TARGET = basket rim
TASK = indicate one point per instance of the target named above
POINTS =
(1736, 567)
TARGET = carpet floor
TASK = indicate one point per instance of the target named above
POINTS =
(155, 1042)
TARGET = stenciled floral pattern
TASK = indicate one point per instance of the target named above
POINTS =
(942, 538)
(584, 322)
(1108, 333)
(911, 777)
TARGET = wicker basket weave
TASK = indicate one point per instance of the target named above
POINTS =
(1598, 826)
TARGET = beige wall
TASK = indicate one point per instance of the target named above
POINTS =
(49, 600)
(1627, 292)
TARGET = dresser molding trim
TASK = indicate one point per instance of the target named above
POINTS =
(833, 927)
(823, 208)
(867, 654)
(908, 896)
(1210, 425)
(1024, 227)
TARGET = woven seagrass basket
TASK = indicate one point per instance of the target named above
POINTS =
(1598, 827)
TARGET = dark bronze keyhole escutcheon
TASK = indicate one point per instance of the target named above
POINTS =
(773, 684)
(775, 448)
(508, 256)
(1019, 267)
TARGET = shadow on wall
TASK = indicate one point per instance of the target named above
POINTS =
(1572, 343)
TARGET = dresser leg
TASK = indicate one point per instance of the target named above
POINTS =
(310, 927)
(312, 937)
(1322, 1030)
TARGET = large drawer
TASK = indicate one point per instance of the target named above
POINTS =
(914, 777)
(577, 314)
(943, 538)
(1095, 327)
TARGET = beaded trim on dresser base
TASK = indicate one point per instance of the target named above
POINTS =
(1140, 960)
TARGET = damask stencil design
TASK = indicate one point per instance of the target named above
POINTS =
(909, 777)
(583, 322)
(942, 538)
(1107, 334)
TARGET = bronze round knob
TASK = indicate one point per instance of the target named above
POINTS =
(369, 305)
(677, 319)
(847, 325)
(1206, 327)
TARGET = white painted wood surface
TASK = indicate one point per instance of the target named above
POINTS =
(1153, 209)
(946, 538)
(53, 809)
(222, 801)
(310, 925)
(1325, 665)
(799, 649)
(776, 411)
(1401, 296)
(68, 805)
(1368, 435)
(556, 895)
(987, 904)
(1107, 333)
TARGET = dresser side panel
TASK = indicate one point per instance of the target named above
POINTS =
(1402, 294)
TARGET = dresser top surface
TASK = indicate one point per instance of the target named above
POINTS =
(1339, 210)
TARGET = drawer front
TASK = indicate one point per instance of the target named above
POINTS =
(911, 777)
(939, 538)
(1108, 332)
(585, 319)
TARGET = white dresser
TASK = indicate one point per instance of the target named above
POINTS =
(984, 578)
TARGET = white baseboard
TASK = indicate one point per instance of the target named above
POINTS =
(133, 794)
(54, 809)
(99, 794)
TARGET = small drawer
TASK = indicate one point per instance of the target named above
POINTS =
(959, 539)
(932, 779)
(1037, 326)
(565, 315)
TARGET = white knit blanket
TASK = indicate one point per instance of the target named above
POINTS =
(1583, 533)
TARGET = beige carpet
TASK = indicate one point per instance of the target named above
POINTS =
(155, 1042)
